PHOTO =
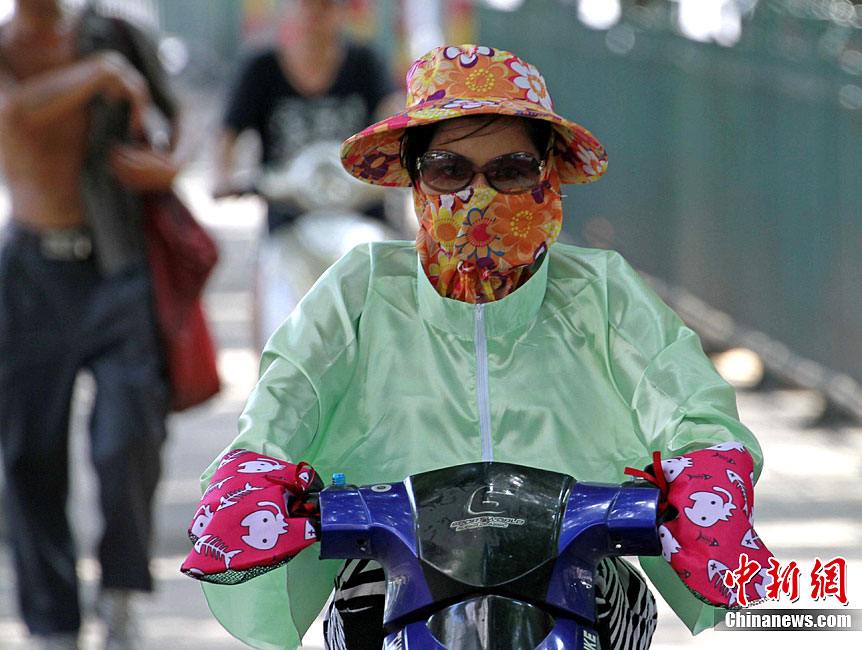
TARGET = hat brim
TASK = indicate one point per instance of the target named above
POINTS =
(374, 154)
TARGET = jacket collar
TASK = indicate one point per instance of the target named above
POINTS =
(504, 315)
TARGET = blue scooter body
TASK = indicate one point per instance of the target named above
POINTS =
(487, 556)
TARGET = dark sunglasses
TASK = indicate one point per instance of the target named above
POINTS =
(511, 173)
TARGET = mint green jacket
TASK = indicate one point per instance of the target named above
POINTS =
(582, 370)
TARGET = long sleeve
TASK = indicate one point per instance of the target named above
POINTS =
(679, 403)
(678, 400)
(304, 369)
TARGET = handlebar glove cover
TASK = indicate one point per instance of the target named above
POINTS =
(254, 516)
(707, 524)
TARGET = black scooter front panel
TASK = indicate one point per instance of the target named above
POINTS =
(484, 525)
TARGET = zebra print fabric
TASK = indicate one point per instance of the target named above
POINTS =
(625, 607)
(354, 620)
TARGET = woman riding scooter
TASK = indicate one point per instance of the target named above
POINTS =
(482, 340)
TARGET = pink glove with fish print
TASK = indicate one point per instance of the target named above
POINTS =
(707, 534)
(257, 513)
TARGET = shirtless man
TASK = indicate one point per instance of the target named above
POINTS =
(44, 93)
(66, 304)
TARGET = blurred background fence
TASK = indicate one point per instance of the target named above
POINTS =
(735, 175)
(734, 132)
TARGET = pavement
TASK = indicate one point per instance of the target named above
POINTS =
(809, 500)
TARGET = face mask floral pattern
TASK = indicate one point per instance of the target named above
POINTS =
(477, 245)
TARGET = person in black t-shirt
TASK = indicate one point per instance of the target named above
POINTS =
(313, 86)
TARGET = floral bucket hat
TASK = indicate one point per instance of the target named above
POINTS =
(458, 81)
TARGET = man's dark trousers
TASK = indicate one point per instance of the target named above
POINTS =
(58, 317)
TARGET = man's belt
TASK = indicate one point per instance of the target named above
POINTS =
(65, 244)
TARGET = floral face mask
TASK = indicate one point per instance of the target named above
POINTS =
(477, 245)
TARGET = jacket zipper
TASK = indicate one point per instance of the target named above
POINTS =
(481, 344)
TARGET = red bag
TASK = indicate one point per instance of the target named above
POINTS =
(181, 256)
